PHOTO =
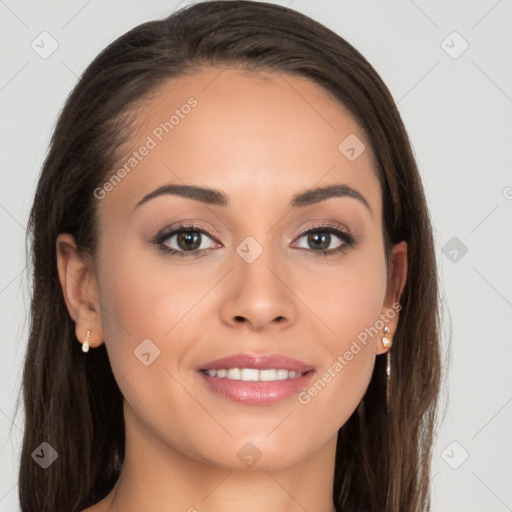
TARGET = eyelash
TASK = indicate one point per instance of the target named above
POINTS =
(349, 240)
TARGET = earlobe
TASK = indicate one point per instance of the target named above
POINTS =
(79, 289)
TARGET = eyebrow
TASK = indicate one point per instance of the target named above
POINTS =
(219, 198)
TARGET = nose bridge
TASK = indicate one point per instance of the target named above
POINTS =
(258, 293)
(256, 265)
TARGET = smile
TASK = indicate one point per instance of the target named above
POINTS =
(254, 375)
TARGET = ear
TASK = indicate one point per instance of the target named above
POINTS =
(80, 291)
(396, 282)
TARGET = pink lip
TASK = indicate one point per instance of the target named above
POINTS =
(257, 393)
(259, 362)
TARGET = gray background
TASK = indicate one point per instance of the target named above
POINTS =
(457, 110)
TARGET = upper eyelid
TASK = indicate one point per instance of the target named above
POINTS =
(325, 225)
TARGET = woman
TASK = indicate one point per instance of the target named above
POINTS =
(235, 299)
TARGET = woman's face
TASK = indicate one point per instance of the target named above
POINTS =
(252, 283)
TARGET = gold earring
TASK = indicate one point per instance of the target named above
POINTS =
(85, 344)
(386, 341)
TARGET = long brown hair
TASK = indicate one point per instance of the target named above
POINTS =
(73, 402)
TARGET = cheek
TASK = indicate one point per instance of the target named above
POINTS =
(349, 305)
(138, 304)
(356, 301)
(139, 311)
(141, 298)
(351, 297)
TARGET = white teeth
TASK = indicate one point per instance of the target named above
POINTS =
(247, 374)
(254, 375)
(282, 374)
(268, 375)
(234, 373)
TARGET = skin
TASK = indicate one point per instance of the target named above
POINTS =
(260, 139)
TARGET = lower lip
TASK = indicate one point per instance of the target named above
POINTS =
(257, 393)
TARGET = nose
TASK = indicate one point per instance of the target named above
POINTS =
(257, 295)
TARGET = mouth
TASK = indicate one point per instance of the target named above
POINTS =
(256, 379)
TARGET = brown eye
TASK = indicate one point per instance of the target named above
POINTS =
(320, 239)
(183, 240)
(188, 240)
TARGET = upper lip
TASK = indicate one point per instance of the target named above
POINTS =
(259, 362)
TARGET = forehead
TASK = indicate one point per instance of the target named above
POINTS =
(256, 135)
